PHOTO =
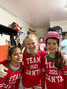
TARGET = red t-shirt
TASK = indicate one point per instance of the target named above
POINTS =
(12, 79)
(32, 68)
(55, 78)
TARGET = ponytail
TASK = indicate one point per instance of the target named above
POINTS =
(59, 57)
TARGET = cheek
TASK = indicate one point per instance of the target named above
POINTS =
(57, 46)
(21, 55)
(47, 46)
(14, 57)
(35, 45)
(27, 46)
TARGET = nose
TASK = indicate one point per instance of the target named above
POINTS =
(19, 55)
(51, 45)
(31, 45)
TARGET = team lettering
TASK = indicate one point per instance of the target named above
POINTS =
(33, 60)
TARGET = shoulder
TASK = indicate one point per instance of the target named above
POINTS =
(4, 62)
(65, 58)
(25, 53)
(44, 52)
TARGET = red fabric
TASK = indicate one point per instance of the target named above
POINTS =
(55, 78)
(43, 74)
(64, 53)
(32, 69)
(12, 80)
(5, 61)
(65, 77)
(15, 28)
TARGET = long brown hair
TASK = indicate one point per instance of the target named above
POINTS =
(60, 62)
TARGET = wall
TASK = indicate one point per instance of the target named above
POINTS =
(62, 24)
(7, 18)
(41, 32)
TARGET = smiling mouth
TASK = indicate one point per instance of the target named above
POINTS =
(51, 49)
(31, 48)
(20, 59)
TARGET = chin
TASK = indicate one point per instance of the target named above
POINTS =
(32, 50)
(53, 52)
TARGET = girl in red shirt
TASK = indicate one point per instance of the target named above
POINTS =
(12, 79)
(32, 63)
(41, 44)
(54, 65)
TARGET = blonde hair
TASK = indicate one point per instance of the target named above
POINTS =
(31, 36)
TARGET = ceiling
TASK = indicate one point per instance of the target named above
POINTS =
(36, 13)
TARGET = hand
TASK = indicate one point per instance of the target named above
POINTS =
(2, 72)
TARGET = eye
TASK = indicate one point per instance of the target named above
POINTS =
(28, 43)
(33, 43)
(48, 43)
(20, 53)
(15, 54)
(54, 43)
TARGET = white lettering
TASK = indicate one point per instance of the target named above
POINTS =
(53, 72)
(54, 78)
(34, 66)
(28, 72)
(14, 77)
(33, 60)
(33, 72)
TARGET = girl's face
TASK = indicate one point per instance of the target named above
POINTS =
(52, 45)
(41, 40)
(31, 44)
(16, 56)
